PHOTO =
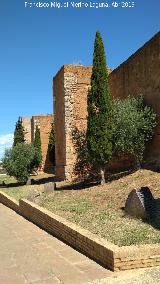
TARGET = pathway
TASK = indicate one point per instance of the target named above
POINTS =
(30, 255)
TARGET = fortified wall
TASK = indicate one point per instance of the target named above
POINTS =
(44, 123)
(139, 74)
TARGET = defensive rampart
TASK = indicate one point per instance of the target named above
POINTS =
(139, 74)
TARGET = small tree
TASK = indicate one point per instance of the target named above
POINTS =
(99, 124)
(19, 132)
(51, 144)
(19, 161)
(134, 123)
(37, 146)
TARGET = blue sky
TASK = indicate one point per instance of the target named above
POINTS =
(36, 42)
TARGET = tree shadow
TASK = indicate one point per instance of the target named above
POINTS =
(44, 180)
(153, 214)
(8, 185)
(78, 185)
(117, 175)
(92, 181)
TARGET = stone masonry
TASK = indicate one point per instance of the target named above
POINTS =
(26, 121)
(139, 74)
(44, 123)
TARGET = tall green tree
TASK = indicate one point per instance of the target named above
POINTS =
(51, 144)
(99, 125)
(19, 132)
(37, 146)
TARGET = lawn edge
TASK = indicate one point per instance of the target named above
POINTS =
(107, 254)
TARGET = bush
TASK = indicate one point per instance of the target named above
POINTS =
(134, 123)
(19, 161)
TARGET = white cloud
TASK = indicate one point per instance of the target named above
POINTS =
(6, 141)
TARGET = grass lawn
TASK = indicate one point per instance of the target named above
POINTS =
(17, 191)
(7, 179)
(98, 208)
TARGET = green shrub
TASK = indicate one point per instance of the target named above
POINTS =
(19, 161)
(134, 124)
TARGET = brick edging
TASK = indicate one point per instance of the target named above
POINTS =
(109, 255)
(9, 202)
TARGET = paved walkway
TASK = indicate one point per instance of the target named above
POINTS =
(30, 255)
(136, 276)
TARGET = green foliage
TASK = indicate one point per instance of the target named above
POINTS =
(99, 125)
(133, 126)
(19, 132)
(37, 146)
(51, 145)
(19, 161)
(134, 123)
(83, 166)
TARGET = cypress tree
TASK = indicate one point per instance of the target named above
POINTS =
(19, 132)
(51, 145)
(37, 146)
(99, 125)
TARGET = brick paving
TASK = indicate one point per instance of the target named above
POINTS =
(30, 255)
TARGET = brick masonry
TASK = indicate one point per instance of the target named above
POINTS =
(44, 123)
(140, 74)
(109, 255)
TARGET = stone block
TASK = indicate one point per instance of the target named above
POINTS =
(140, 203)
(49, 187)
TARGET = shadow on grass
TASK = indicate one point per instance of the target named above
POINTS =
(93, 181)
(79, 184)
(8, 185)
(76, 185)
(43, 180)
(153, 216)
(115, 176)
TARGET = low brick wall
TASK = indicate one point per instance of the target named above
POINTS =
(109, 255)
(131, 257)
(9, 202)
(98, 249)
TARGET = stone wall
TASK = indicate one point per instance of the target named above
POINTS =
(70, 98)
(59, 121)
(140, 74)
(44, 123)
(26, 121)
